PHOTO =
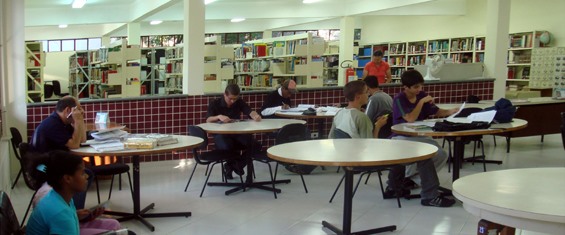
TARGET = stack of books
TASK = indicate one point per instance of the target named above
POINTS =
(163, 139)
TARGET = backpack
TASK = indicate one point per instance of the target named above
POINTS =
(505, 111)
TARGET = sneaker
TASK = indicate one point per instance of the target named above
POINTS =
(408, 183)
(438, 201)
(391, 193)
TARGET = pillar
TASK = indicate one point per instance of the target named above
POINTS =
(193, 31)
(346, 38)
(496, 49)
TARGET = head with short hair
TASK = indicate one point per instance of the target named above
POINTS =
(411, 77)
(378, 53)
(66, 102)
(353, 89)
(62, 169)
(371, 81)
(231, 94)
(377, 56)
(288, 88)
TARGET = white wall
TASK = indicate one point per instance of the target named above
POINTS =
(525, 15)
(57, 68)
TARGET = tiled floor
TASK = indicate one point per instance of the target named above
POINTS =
(295, 212)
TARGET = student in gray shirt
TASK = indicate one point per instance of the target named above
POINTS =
(380, 103)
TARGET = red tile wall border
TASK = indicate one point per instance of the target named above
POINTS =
(173, 115)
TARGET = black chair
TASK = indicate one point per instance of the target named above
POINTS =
(563, 128)
(29, 177)
(112, 169)
(57, 89)
(211, 157)
(340, 134)
(16, 141)
(476, 139)
(8, 220)
(288, 133)
(47, 90)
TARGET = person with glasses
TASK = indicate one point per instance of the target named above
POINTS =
(279, 99)
(230, 108)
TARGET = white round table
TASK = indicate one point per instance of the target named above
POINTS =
(532, 199)
(350, 153)
(459, 137)
(185, 142)
(248, 127)
(320, 117)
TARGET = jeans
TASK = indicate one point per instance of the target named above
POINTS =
(243, 142)
(428, 175)
(439, 159)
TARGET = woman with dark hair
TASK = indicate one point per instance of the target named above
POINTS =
(55, 213)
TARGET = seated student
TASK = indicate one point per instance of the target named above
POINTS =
(410, 105)
(55, 213)
(278, 99)
(350, 119)
(63, 129)
(226, 109)
(380, 103)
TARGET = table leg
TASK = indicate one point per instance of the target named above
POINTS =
(321, 123)
(140, 214)
(347, 207)
(458, 151)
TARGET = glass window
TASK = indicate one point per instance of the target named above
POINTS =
(287, 33)
(334, 34)
(81, 44)
(55, 45)
(277, 34)
(256, 35)
(94, 43)
(231, 38)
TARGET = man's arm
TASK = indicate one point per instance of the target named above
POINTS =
(365, 73)
(381, 121)
(413, 116)
(446, 112)
(388, 76)
(79, 132)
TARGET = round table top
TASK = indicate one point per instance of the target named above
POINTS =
(516, 196)
(299, 115)
(405, 129)
(352, 152)
(185, 142)
(248, 126)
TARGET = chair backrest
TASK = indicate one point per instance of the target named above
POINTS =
(199, 132)
(47, 90)
(468, 111)
(563, 128)
(291, 133)
(386, 131)
(56, 88)
(8, 220)
(339, 134)
(27, 155)
(16, 141)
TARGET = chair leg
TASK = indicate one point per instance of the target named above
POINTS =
(383, 189)
(449, 157)
(191, 174)
(494, 139)
(484, 156)
(303, 183)
(339, 167)
(97, 189)
(276, 171)
(272, 179)
(28, 207)
(207, 177)
(17, 178)
(336, 188)
(443, 143)
(111, 186)
(474, 151)
(358, 182)
(368, 176)
(208, 167)
(119, 182)
(130, 184)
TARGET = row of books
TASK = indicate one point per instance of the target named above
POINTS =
(462, 44)
(252, 66)
(174, 53)
(438, 46)
(416, 60)
(415, 49)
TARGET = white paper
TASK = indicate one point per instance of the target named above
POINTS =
(292, 110)
(458, 111)
(421, 123)
(486, 116)
(109, 134)
(306, 106)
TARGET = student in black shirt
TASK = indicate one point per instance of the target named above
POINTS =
(279, 98)
(227, 109)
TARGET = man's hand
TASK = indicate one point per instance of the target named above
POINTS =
(427, 99)
(255, 116)
(285, 106)
(223, 118)
(454, 110)
(381, 121)
(78, 115)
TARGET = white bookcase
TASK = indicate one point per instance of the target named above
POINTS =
(35, 61)
(520, 50)
(173, 70)
(218, 66)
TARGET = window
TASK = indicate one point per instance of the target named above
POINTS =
(68, 45)
(327, 34)
(94, 43)
(54, 45)
(79, 44)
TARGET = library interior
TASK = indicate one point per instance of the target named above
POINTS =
(156, 67)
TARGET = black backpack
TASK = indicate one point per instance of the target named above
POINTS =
(505, 111)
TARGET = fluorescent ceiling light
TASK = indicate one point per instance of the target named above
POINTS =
(78, 3)
(206, 2)
(155, 22)
(309, 1)
(62, 26)
(235, 20)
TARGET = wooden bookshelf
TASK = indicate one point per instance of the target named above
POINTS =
(35, 62)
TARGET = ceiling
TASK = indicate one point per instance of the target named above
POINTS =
(272, 14)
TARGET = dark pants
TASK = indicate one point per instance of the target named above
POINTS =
(428, 177)
(80, 198)
(243, 142)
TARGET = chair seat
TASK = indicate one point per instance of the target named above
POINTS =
(110, 169)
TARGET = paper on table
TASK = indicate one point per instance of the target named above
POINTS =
(458, 111)
(306, 106)
(486, 116)
(102, 130)
(296, 109)
(332, 110)
(421, 123)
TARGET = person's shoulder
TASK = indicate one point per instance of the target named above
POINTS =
(400, 95)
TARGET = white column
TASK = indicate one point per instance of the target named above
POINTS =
(13, 79)
(193, 50)
(346, 38)
(134, 34)
(496, 49)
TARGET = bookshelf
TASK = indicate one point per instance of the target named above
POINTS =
(153, 64)
(330, 58)
(115, 71)
(35, 61)
(260, 63)
(173, 70)
(519, 61)
(80, 84)
(218, 65)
